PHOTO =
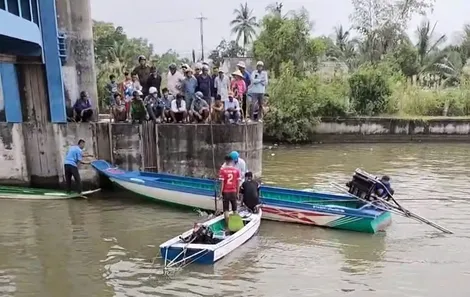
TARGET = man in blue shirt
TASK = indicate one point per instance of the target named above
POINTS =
(72, 159)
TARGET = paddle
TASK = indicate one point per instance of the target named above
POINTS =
(405, 212)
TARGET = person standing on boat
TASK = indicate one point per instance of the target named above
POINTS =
(249, 191)
(72, 159)
(239, 164)
(230, 187)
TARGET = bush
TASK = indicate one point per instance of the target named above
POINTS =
(416, 101)
(370, 90)
(297, 103)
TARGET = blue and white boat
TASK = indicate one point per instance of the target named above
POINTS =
(279, 204)
(182, 250)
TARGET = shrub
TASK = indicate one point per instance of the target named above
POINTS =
(370, 90)
(297, 103)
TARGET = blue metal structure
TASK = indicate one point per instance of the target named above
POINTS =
(29, 29)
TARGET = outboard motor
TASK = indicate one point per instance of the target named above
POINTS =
(362, 185)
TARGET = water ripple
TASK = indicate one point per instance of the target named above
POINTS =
(109, 247)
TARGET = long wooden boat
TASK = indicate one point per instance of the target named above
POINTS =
(279, 204)
(182, 249)
(22, 193)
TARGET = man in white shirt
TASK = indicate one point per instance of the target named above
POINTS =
(232, 109)
(174, 79)
(239, 163)
(178, 110)
(222, 84)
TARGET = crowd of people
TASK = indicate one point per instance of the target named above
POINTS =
(192, 95)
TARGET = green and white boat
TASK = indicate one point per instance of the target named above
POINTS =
(23, 193)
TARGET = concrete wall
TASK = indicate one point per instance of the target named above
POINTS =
(183, 149)
(33, 153)
(392, 130)
(74, 19)
(13, 168)
(187, 149)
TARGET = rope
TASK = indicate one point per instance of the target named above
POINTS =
(213, 157)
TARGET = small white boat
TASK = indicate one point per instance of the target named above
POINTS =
(183, 249)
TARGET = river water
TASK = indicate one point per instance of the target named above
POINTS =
(105, 246)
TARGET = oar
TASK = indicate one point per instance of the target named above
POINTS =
(380, 207)
(408, 213)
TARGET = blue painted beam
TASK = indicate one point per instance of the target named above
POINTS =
(55, 84)
(11, 93)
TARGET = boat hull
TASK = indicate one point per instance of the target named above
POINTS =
(203, 198)
(174, 251)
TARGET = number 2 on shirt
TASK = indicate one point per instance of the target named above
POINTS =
(230, 178)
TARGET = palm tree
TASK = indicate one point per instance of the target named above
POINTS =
(244, 24)
(427, 42)
(341, 37)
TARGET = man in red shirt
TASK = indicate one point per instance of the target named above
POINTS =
(230, 176)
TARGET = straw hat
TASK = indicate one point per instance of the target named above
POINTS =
(238, 73)
(241, 64)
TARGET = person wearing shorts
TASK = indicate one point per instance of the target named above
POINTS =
(229, 176)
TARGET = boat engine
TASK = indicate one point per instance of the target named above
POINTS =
(362, 185)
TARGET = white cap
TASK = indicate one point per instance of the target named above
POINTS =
(241, 64)
(259, 63)
(152, 90)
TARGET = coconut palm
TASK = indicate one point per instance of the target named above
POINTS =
(244, 25)
(341, 37)
(428, 44)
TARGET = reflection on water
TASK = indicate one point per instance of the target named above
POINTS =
(106, 247)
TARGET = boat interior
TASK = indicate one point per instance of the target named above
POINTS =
(213, 234)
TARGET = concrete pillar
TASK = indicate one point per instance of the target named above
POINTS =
(74, 19)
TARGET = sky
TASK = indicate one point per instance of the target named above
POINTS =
(173, 24)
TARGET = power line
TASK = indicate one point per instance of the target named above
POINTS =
(201, 19)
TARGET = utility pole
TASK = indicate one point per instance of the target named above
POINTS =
(201, 19)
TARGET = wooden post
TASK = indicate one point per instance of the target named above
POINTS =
(111, 146)
(157, 149)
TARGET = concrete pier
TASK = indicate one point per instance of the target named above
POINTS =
(32, 154)
(74, 19)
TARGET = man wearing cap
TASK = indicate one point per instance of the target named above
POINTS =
(222, 85)
(232, 109)
(189, 86)
(259, 81)
(174, 80)
(143, 71)
(247, 78)
(199, 110)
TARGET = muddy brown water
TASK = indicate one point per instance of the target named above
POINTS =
(105, 246)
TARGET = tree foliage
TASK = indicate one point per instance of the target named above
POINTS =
(226, 49)
(285, 39)
(116, 53)
(298, 103)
